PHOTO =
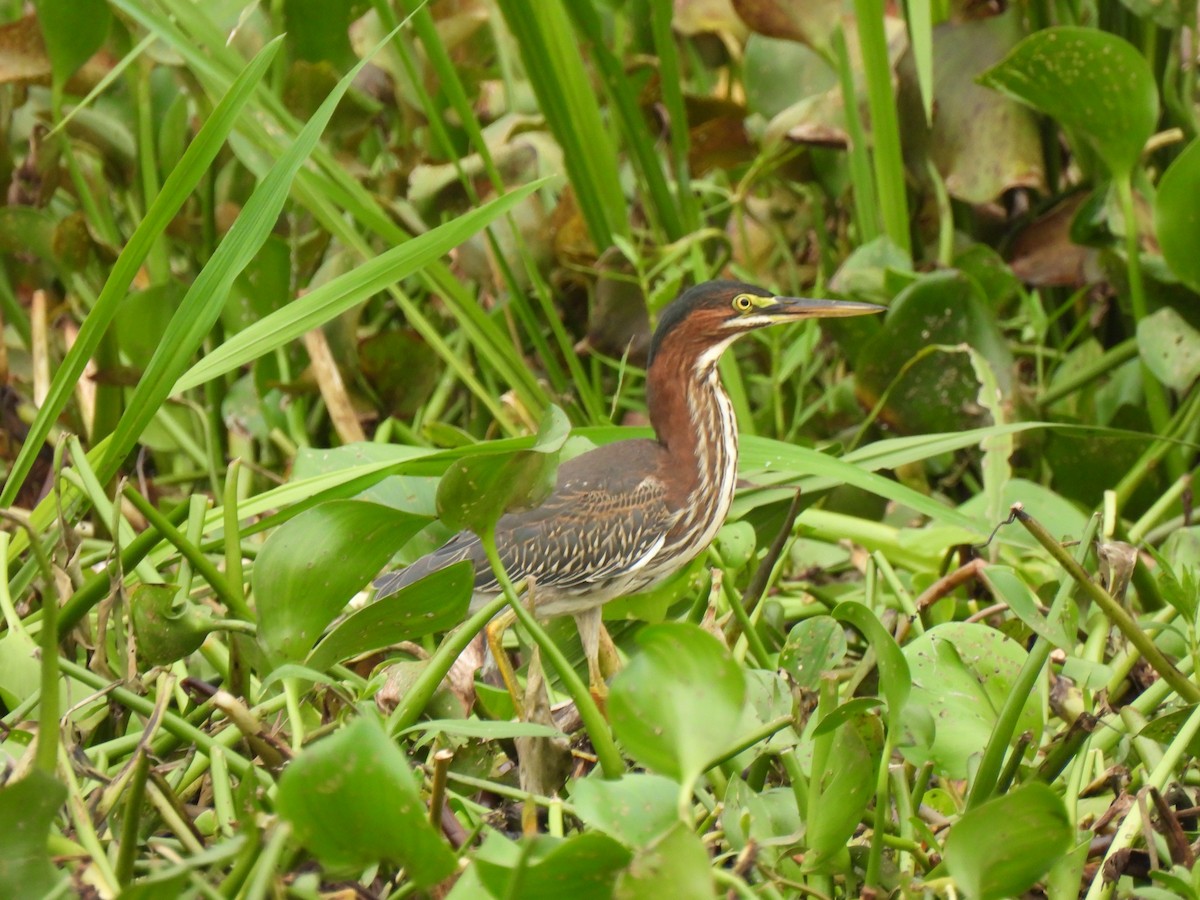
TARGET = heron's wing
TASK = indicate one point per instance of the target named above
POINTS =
(607, 515)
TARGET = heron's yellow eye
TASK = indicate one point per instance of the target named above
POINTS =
(743, 303)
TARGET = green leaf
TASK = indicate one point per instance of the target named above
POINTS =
(1170, 348)
(1001, 848)
(166, 633)
(353, 801)
(27, 808)
(311, 566)
(435, 603)
(1177, 216)
(913, 363)
(676, 865)
(583, 867)
(813, 646)
(676, 706)
(1090, 81)
(961, 674)
(635, 809)
(475, 493)
(838, 796)
(851, 709)
(68, 45)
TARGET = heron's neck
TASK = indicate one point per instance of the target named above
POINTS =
(694, 421)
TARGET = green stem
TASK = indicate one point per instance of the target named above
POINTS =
(202, 564)
(1113, 610)
(988, 774)
(593, 721)
(1112, 358)
(422, 690)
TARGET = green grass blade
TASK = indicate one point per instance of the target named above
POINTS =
(346, 291)
(178, 187)
(552, 61)
(203, 302)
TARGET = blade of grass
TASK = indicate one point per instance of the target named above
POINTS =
(202, 304)
(346, 291)
(555, 69)
(179, 185)
(885, 127)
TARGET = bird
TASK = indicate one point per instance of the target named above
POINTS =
(626, 516)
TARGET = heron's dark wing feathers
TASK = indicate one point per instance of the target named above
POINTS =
(608, 513)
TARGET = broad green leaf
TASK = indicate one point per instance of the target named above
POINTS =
(312, 565)
(346, 291)
(68, 44)
(813, 646)
(767, 817)
(437, 602)
(1170, 348)
(352, 801)
(961, 674)
(475, 493)
(676, 706)
(177, 188)
(1009, 587)
(1001, 848)
(166, 633)
(676, 865)
(582, 867)
(1177, 215)
(838, 796)
(913, 365)
(635, 809)
(1092, 82)
(27, 808)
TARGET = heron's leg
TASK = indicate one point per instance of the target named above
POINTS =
(589, 625)
(494, 631)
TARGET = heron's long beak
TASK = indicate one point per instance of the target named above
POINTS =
(787, 308)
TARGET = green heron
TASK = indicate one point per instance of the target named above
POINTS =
(624, 517)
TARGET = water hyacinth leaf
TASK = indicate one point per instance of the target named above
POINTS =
(635, 809)
(584, 867)
(983, 143)
(435, 603)
(311, 566)
(1001, 848)
(676, 865)
(961, 674)
(474, 493)
(164, 632)
(838, 796)
(1092, 82)
(813, 646)
(932, 390)
(27, 808)
(68, 45)
(1170, 348)
(1177, 216)
(352, 801)
(677, 704)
